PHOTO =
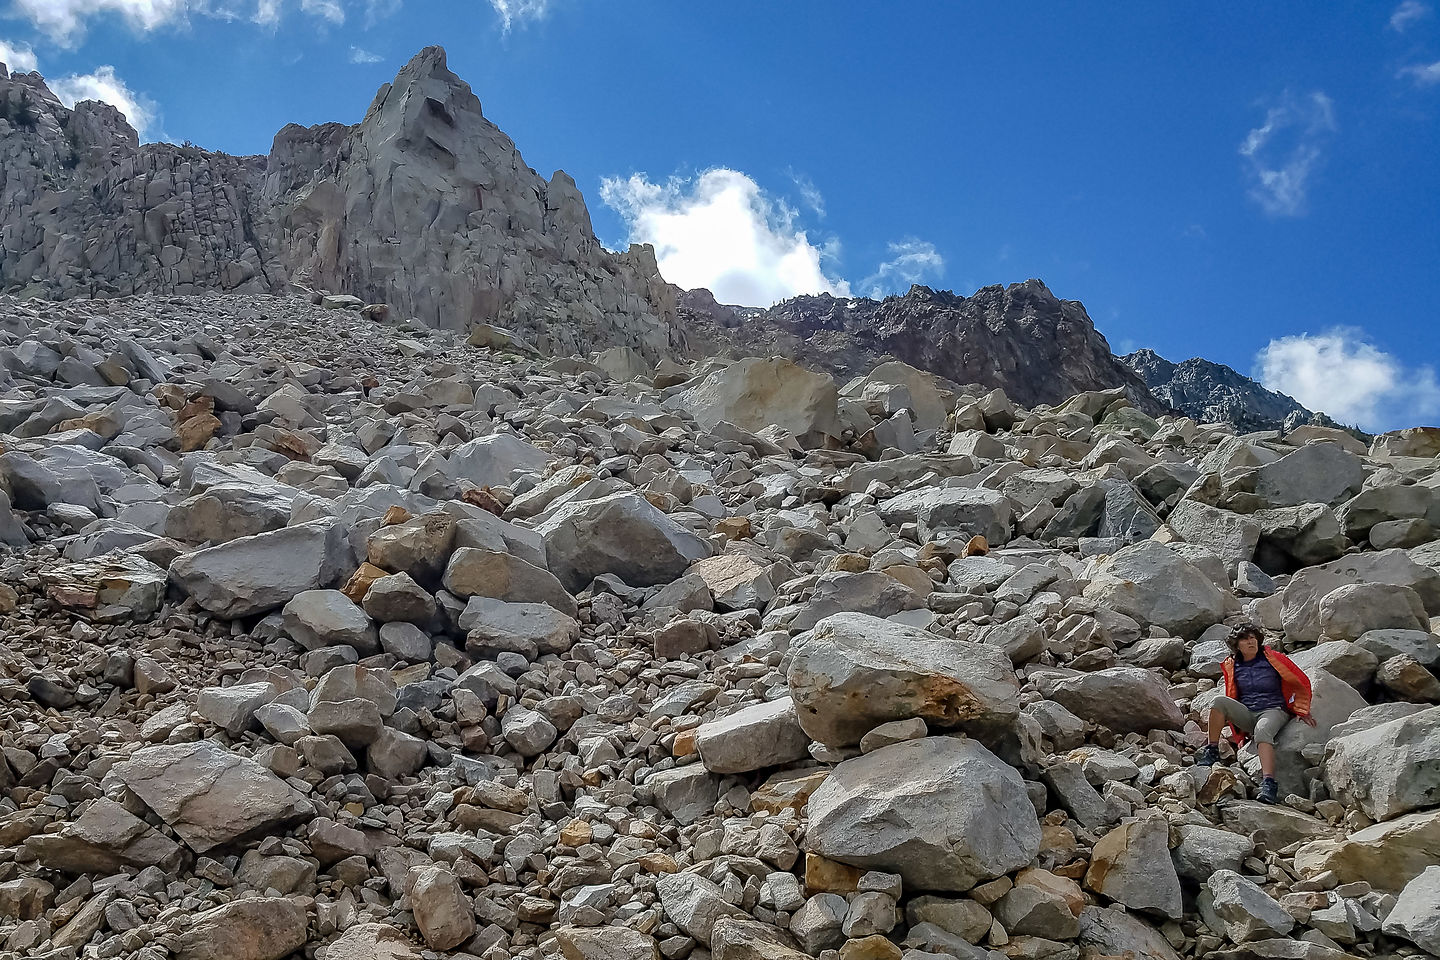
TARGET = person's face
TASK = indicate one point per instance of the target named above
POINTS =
(1249, 647)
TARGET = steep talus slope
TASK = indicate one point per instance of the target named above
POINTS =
(425, 205)
(323, 637)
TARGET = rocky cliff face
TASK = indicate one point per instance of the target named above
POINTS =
(425, 205)
(1037, 347)
(1214, 393)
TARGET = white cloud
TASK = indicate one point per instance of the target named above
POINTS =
(358, 55)
(511, 11)
(105, 86)
(809, 193)
(912, 261)
(377, 10)
(1341, 373)
(723, 232)
(1407, 13)
(1424, 74)
(327, 9)
(18, 57)
(64, 20)
(1283, 153)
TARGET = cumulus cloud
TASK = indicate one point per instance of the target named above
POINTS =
(911, 261)
(722, 231)
(1283, 153)
(359, 55)
(1407, 13)
(105, 86)
(1424, 74)
(18, 57)
(1343, 374)
(513, 11)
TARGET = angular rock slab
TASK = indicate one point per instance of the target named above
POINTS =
(209, 796)
(943, 812)
(260, 928)
(621, 534)
(256, 574)
(1125, 699)
(1152, 584)
(853, 672)
(1390, 769)
(752, 738)
(1416, 916)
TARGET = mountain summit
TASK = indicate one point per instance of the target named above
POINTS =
(424, 205)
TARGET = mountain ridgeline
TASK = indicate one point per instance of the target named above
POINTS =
(428, 207)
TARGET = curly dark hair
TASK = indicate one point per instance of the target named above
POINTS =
(1240, 632)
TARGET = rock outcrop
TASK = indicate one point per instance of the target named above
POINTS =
(1021, 338)
(424, 206)
(1213, 392)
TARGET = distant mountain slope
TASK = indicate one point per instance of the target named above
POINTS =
(1209, 391)
(1023, 338)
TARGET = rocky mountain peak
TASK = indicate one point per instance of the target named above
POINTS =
(425, 205)
(1215, 393)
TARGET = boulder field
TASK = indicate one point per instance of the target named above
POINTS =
(328, 636)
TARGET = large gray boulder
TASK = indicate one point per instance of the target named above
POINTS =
(943, 812)
(251, 928)
(755, 393)
(1131, 865)
(1230, 536)
(1389, 769)
(1416, 914)
(954, 511)
(1332, 702)
(477, 572)
(1110, 931)
(853, 672)
(1316, 473)
(1151, 584)
(1125, 699)
(1300, 536)
(257, 574)
(327, 618)
(752, 738)
(209, 796)
(493, 461)
(1237, 908)
(1300, 604)
(621, 534)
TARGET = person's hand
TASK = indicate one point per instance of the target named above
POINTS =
(1308, 721)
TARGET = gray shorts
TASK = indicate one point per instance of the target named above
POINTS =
(1264, 727)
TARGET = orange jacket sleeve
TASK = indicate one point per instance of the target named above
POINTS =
(1294, 684)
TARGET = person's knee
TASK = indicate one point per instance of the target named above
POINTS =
(1227, 708)
(1269, 727)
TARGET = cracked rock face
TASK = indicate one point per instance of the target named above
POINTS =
(425, 206)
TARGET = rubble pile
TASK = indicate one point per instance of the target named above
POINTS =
(335, 637)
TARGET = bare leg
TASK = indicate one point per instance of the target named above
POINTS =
(1216, 723)
(1267, 758)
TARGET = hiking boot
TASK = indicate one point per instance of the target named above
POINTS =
(1209, 756)
(1269, 791)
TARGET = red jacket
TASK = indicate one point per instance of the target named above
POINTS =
(1294, 685)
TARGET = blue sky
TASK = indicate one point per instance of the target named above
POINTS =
(1257, 186)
